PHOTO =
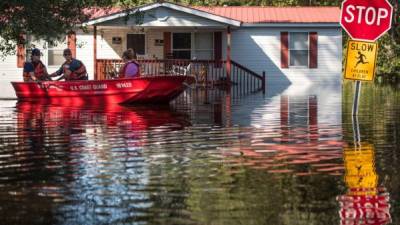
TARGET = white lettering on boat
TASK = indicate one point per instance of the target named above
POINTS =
(88, 87)
(85, 87)
(99, 86)
(124, 85)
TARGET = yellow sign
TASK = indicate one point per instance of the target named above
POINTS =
(360, 168)
(360, 60)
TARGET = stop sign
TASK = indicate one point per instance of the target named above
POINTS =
(366, 20)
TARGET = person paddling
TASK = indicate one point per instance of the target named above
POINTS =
(71, 69)
(131, 68)
(35, 70)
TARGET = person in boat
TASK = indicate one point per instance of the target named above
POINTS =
(131, 67)
(71, 69)
(35, 70)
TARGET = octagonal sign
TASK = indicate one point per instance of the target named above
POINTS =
(366, 20)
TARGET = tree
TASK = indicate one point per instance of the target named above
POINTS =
(43, 19)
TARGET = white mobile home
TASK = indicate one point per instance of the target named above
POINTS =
(294, 46)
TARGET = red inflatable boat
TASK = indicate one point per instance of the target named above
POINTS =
(155, 89)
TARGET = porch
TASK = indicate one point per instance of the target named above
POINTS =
(208, 73)
(171, 39)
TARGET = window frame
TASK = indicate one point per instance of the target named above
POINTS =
(308, 49)
(193, 48)
(212, 50)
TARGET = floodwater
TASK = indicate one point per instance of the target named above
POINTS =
(211, 157)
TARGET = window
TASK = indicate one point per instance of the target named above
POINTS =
(298, 49)
(204, 46)
(181, 45)
(55, 53)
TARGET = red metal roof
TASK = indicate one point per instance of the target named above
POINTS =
(94, 13)
(259, 14)
(255, 14)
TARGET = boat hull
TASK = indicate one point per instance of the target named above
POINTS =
(155, 89)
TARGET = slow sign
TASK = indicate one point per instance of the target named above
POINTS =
(366, 20)
(360, 60)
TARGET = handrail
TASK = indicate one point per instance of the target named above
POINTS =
(207, 72)
(247, 70)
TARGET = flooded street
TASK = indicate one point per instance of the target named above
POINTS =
(208, 158)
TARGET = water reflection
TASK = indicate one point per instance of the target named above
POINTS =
(366, 202)
(208, 158)
(77, 164)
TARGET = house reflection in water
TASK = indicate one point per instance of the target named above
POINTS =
(366, 202)
(289, 138)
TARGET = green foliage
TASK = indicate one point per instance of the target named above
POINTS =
(45, 19)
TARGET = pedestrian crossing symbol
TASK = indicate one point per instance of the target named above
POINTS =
(360, 60)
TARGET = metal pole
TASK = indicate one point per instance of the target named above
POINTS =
(356, 100)
(356, 131)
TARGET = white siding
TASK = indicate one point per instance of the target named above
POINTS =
(105, 48)
(9, 72)
(108, 50)
(84, 51)
(152, 50)
(259, 50)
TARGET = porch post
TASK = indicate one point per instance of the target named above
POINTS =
(95, 52)
(228, 54)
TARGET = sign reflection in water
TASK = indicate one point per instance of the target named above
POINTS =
(365, 202)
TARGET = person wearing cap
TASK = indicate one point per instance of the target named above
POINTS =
(35, 70)
(71, 69)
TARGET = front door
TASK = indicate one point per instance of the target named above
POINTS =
(137, 43)
(181, 45)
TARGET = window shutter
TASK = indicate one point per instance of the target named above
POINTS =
(313, 110)
(21, 51)
(313, 117)
(284, 50)
(313, 50)
(71, 42)
(217, 48)
(167, 45)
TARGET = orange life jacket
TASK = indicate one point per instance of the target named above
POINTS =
(79, 74)
(122, 71)
(38, 72)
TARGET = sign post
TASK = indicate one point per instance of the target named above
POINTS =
(364, 21)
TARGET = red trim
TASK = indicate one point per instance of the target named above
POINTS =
(313, 117)
(313, 50)
(217, 47)
(167, 44)
(21, 53)
(71, 41)
(284, 50)
(284, 110)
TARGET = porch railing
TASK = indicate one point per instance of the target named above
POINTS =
(207, 72)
